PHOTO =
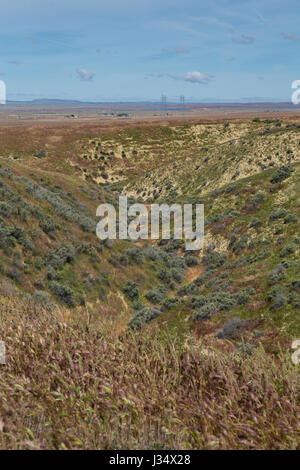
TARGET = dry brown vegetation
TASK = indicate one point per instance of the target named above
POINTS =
(71, 384)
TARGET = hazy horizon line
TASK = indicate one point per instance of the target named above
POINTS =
(173, 101)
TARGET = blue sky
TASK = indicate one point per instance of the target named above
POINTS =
(138, 49)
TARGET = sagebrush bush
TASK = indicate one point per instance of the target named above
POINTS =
(131, 289)
(191, 260)
(206, 311)
(135, 255)
(63, 292)
(15, 274)
(52, 274)
(43, 299)
(255, 222)
(40, 153)
(153, 253)
(189, 289)
(143, 316)
(48, 225)
(170, 276)
(168, 303)
(244, 296)
(7, 209)
(290, 218)
(237, 245)
(281, 174)
(213, 259)
(231, 328)
(156, 294)
(288, 249)
(277, 296)
(63, 253)
(277, 214)
(71, 210)
(277, 274)
(6, 238)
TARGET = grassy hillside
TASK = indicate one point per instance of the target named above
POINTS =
(72, 384)
(205, 335)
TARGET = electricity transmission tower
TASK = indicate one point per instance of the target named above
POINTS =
(182, 100)
(164, 101)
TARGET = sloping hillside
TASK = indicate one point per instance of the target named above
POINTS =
(249, 266)
(184, 349)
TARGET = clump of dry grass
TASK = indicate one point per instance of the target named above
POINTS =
(70, 384)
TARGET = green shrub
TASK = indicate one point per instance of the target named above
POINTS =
(52, 274)
(64, 253)
(277, 214)
(244, 349)
(277, 296)
(63, 292)
(40, 153)
(177, 274)
(85, 248)
(255, 222)
(290, 218)
(108, 243)
(277, 275)
(131, 290)
(6, 239)
(143, 316)
(240, 244)
(135, 255)
(189, 289)
(48, 225)
(156, 294)
(224, 301)
(212, 259)
(169, 303)
(244, 295)
(281, 174)
(191, 260)
(43, 299)
(153, 253)
(231, 328)
(15, 274)
(288, 249)
(174, 245)
(170, 276)
(7, 209)
(258, 199)
(205, 312)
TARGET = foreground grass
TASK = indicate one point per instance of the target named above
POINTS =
(71, 383)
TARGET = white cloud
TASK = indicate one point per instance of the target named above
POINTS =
(85, 75)
(194, 77)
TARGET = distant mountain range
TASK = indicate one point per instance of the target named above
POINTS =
(189, 102)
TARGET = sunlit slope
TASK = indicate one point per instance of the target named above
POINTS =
(247, 176)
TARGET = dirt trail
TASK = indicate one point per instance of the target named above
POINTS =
(193, 273)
